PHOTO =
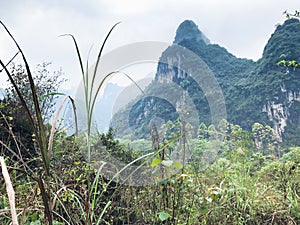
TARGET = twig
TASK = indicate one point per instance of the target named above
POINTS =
(10, 61)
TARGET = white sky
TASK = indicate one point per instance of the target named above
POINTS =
(241, 26)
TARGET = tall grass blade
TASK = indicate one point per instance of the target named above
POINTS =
(83, 73)
(77, 51)
(51, 137)
(40, 132)
(38, 128)
(94, 189)
(23, 103)
(90, 95)
(98, 61)
(101, 84)
(102, 212)
(46, 200)
(10, 60)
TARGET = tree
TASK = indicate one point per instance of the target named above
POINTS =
(47, 84)
(202, 133)
(289, 15)
(106, 143)
(15, 128)
(264, 137)
(290, 63)
(171, 129)
(212, 132)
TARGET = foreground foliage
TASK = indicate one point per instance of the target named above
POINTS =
(240, 186)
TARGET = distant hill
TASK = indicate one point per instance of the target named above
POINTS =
(260, 91)
(104, 106)
(1, 93)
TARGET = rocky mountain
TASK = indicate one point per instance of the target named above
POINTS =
(209, 83)
(272, 91)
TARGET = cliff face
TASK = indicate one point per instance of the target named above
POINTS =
(280, 113)
(281, 89)
(263, 91)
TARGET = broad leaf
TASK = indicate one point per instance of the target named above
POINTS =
(163, 216)
(156, 161)
(178, 165)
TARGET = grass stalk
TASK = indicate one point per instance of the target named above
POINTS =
(53, 128)
(90, 99)
(36, 121)
(10, 192)
(38, 126)
(89, 96)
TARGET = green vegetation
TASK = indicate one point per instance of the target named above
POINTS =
(244, 179)
(210, 174)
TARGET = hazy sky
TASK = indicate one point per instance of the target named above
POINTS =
(241, 26)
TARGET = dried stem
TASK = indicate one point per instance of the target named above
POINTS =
(10, 192)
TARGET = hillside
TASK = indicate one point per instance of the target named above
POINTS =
(272, 91)
(215, 81)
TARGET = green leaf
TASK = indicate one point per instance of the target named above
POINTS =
(178, 165)
(281, 62)
(51, 94)
(156, 161)
(167, 163)
(292, 63)
(163, 181)
(163, 216)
